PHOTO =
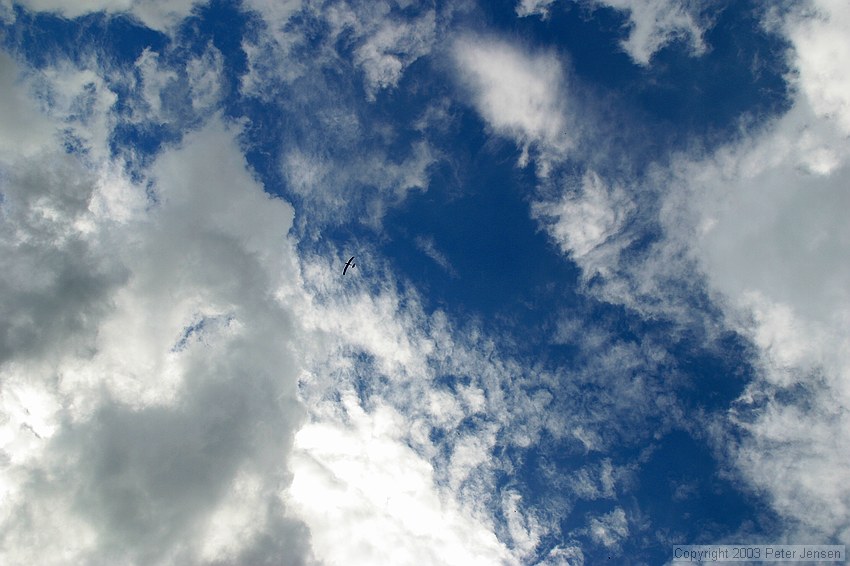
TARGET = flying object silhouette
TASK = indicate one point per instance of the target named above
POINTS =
(349, 264)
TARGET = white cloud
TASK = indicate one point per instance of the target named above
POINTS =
(371, 499)
(563, 556)
(275, 14)
(534, 7)
(762, 220)
(154, 79)
(191, 325)
(519, 94)
(385, 44)
(175, 94)
(156, 14)
(329, 183)
(594, 482)
(271, 46)
(204, 76)
(609, 529)
(7, 14)
(341, 162)
(587, 221)
(359, 453)
(653, 24)
(758, 224)
(116, 445)
(766, 225)
(656, 23)
(383, 41)
(390, 362)
(817, 30)
(19, 115)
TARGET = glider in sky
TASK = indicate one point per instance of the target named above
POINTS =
(349, 264)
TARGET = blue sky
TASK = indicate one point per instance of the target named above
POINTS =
(600, 304)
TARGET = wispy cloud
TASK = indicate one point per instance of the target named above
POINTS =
(756, 225)
(653, 24)
(156, 14)
(186, 382)
(342, 159)
(429, 247)
(765, 228)
(588, 221)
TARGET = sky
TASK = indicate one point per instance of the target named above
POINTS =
(601, 302)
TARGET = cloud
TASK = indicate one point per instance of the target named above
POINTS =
(174, 92)
(411, 399)
(429, 248)
(369, 498)
(756, 226)
(766, 229)
(563, 555)
(519, 94)
(384, 44)
(343, 159)
(116, 445)
(381, 39)
(160, 15)
(193, 387)
(657, 23)
(328, 184)
(587, 221)
(55, 279)
(594, 482)
(816, 30)
(534, 7)
(174, 351)
(609, 529)
(371, 479)
(19, 114)
(653, 24)
(756, 230)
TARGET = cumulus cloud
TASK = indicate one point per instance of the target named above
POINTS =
(816, 30)
(757, 225)
(176, 93)
(116, 444)
(180, 386)
(157, 346)
(152, 345)
(563, 555)
(765, 225)
(370, 498)
(18, 114)
(464, 404)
